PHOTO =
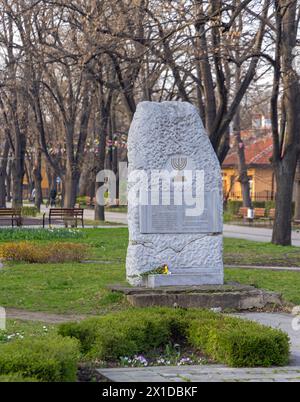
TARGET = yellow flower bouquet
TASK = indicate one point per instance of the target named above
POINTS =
(162, 270)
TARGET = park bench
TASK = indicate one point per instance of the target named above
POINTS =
(67, 215)
(12, 214)
(296, 221)
(243, 211)
(272, 214)
(259, 213)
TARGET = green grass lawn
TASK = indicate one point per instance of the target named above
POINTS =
(246, 252)
(61, 288)
(71, 287)
(18, 329)
(286, 283)
(82, 287)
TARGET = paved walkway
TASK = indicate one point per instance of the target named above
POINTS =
(212, 373)
(218, 373)
(253, 233)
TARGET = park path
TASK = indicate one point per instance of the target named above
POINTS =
(233, 231)
(49, 318)
(219, 373)
(205, 374)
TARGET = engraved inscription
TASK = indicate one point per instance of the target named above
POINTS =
(173, 219)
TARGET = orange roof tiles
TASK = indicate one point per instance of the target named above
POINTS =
(256, 153)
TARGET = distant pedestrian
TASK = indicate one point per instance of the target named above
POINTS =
(53, 194)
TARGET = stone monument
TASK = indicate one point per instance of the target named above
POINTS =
(174, 199)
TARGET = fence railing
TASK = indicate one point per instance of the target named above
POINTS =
(261, 196)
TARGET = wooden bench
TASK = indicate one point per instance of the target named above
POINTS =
(67, 215)
(243, 211)
(12, 214)
(259, 213)
(272, 214)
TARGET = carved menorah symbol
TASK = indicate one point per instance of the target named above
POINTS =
(179, 163)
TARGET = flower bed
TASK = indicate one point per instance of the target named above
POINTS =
(223, 339)
(34, 252)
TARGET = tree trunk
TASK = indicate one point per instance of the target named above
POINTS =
(99, 209)
(242, 168)
(286, 141)
(2, 189)
(17, 184)
(8, 181)
(105, 107)
(297, 192)
(70, 189)
(3, 175)
(38, 180)
(283, 216)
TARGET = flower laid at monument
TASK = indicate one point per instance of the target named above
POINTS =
(163, 270)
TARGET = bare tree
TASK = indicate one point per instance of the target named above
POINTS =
(285, 112)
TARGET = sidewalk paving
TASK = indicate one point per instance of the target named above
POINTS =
(219, 373)
(208, 373)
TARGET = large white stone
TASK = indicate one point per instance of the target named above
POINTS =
(158, 132)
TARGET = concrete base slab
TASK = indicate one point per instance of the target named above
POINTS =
(224, 297)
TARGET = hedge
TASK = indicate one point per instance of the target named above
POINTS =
(30, 211)
(228, 340)
(16, 377)
(51, 359)
(240, 343)
(125, 334)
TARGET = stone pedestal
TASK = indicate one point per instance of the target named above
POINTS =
(232, 296)
(169, 138)
(189, 279)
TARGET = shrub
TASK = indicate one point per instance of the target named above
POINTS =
(259, 204)
(269, 205)
(233, 207)
(32, 252)
(40, 234)
(233, 341)
(122, 334)
(50, 359)
(240, 343)
(228, 217)
(16, 377)
(82, 200)
(30, 211)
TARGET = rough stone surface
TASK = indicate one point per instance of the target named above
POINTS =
(158, 131)
(232, 297)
